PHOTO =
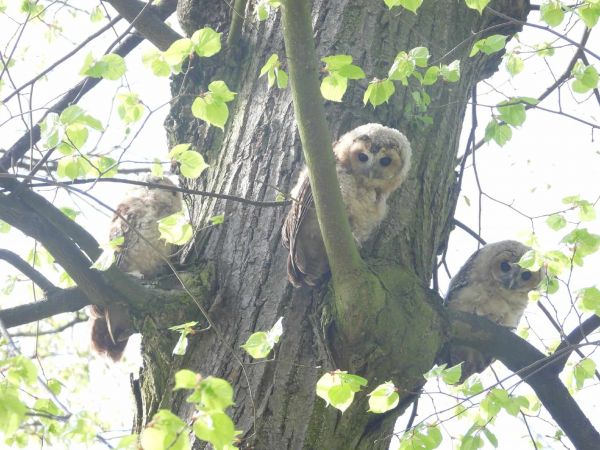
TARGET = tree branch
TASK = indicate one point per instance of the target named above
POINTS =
(58, 302)
(581, 332)
(347, 268)
(147, 22)
(25, 142)
(21, 265)
(532, 366)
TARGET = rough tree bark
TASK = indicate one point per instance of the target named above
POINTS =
(238, 268)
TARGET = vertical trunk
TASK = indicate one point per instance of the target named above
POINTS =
(239, 267)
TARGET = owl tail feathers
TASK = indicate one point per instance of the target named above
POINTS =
(300, 278)
(111, 329)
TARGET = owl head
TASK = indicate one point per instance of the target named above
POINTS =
(172, 199)
(378, 156)
(505, 269)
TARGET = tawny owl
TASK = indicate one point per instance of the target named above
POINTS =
(136, 217)
(371, 162)
(492, 284)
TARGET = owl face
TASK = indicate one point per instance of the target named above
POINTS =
(507, 272)
(378, 156)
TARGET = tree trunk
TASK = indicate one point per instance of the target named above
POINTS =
(238, 268)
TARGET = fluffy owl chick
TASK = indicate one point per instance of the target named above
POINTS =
(372, 161)
(493, 285)
(136, 221)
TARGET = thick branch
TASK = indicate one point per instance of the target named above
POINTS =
(147, 22)
(21, 265)
(344, 260)
(58, 302)
(533, 367)
(24, 143)
(581, 332)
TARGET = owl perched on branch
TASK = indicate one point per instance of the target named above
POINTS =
(372, 161)
(493, 285)
(142, 253)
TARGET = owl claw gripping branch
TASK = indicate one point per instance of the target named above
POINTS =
(372, 161)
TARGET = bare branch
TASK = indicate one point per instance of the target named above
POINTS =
(21, 265)
(532, 366)
(147, 22)
(79, 318)
(580, 333)
(25, 142)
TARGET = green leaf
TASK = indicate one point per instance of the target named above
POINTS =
(181, 345)
(207, 42)
(511, 112)
(211, 111)
(589, 13)
(186, 379)
(97, 14)
(500, 133)
(337, 388)
(544, 49)
(129, 108)
(156, 61)
(157, 169)
(220, 91)
(260, 344)
(51, 132)
(514, 64)
(489, 45)
(411, 5)
(217, 220)
(110, 67)
(333, 87)
(336, 62)
(556, 222)
(420, 55)
(4, 227)
(589, 300)
(479, 5)
(215, 427)
(402, 68)
(383, 398)
(586, 77)
(178, 51)
(531, 260)
(282, 78)
(20, 370)
(175, 228)
(352, 72)
(431, 76)
(378, 92)
(452, 374)
(552, 13)
(583, 370)
(215, 393)
(192, 164)
(12, 411)
(166, 430)
(451, 72)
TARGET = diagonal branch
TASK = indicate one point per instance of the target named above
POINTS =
(24, 143)
(58, 302)
(580, 333)
(21, 265)
(147, 22)
(533, 367)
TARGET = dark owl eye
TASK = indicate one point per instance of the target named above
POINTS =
(363, 157)
(386, 161)
(504, 266)
(526, 276)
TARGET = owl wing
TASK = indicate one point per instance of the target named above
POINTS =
(307, 260)
(461, 279)
(125, 229)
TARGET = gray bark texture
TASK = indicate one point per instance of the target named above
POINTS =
(238, 269)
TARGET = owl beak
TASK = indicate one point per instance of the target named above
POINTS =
(513, 279)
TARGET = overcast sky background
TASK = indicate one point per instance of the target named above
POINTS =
(549, 158)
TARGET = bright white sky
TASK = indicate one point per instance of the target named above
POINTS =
(549, 158)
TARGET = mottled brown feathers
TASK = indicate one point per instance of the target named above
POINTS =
(141, 253)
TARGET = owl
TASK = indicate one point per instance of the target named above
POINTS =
(372, 161)
(493, 285)
(135, 217)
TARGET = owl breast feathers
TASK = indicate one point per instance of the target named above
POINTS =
(372, 161)
(491, 284)
(141, 253)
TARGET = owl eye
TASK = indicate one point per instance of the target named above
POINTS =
(363, 157)
(526, 276)
(504, 266)
(386, 161)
